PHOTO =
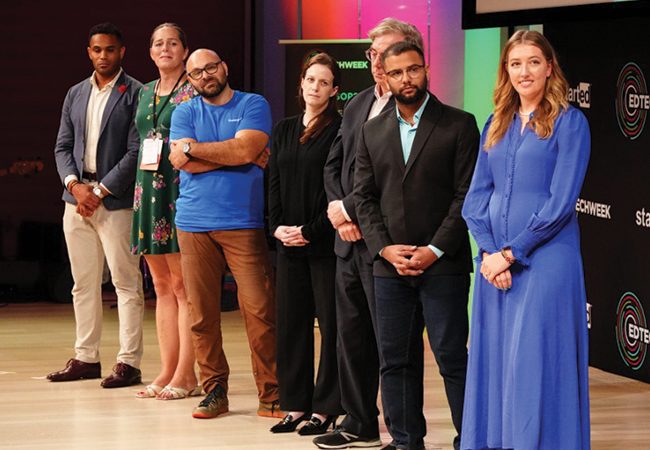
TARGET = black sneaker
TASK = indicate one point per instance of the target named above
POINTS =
(341, 438)
(214, 404)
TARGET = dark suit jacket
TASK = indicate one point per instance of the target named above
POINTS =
(417, 203)
(118, 144)
(339, 168)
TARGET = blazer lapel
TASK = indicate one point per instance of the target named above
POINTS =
(112, 101)
(428, 121)
(394, 142)
(84, 98)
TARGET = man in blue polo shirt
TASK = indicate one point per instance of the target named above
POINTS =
(219, 143)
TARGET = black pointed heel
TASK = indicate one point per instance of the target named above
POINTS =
(289, 424)
(316, 426)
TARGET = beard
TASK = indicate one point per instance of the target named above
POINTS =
(211, 92)
(418, 95)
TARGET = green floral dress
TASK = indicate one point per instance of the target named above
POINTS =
(154, 205)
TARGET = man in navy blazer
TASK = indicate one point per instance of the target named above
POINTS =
(414, 166)
(96, 156)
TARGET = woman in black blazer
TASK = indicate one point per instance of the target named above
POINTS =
(306, 261)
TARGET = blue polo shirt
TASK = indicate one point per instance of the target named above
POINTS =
(229, 198)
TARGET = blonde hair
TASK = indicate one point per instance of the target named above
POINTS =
(390, 25)
(506, 99)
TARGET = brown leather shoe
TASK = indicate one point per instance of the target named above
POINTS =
(123, 375)
(77, 370)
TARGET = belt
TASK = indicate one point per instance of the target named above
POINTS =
(90, 176)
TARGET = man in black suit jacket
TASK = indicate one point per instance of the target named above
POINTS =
(413, 169)
(355, 302)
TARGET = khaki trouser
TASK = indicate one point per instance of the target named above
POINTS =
(105, 233)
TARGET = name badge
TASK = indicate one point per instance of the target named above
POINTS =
(151, 151)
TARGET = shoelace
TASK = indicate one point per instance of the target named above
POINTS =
(212, 397)
(120, 369)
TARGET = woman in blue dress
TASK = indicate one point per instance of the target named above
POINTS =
(527, 382)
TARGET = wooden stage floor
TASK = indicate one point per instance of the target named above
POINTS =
(37, 338)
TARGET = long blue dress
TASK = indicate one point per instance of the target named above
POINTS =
(527, 377)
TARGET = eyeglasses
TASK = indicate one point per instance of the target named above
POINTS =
(210, 69)
(413, 72)
(371, 54)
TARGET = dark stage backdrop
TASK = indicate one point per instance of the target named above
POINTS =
(355, 68)
(43, 53)
(607, 65)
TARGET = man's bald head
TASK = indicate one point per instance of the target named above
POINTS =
(199, 57)
(208, 74)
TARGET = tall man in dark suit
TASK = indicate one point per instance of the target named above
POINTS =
(355, 302)
(96, 155)
(414, 166)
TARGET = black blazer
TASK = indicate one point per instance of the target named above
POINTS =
(417, 203)
(339, 168)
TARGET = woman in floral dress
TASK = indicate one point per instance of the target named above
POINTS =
(154, 233)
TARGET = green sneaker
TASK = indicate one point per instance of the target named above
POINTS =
(214, 404)
(271, 409)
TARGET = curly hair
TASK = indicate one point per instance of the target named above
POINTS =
(506, 99)
(107, 28)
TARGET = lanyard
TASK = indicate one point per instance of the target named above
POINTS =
(155, 98)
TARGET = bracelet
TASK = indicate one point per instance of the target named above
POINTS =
(508, 259)
(73, 183)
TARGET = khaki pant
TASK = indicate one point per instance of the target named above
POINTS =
(203, 260)
(89, 240)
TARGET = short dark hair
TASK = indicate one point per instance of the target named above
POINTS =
(401, 47)
(106, 28)
(181, 34)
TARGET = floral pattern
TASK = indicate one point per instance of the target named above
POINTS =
(138, 196)
(159, 182)
(154, 203)
(162, 232)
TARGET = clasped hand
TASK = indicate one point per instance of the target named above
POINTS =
(409, 260)
(87, 201)
(290, 236)
(496, 270)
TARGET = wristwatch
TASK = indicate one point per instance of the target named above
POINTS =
(186, 150)
(98, 192)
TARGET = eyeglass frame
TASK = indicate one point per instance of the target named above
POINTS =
(369, 54)
(418, 68)
(205, 69)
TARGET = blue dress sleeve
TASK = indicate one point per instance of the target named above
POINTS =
(573, 149)
(477, 201)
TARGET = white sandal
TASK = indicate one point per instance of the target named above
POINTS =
(179, 393)
(150, 391)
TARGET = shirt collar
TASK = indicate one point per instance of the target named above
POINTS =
(417, 115)
(386, 95)
(110, 84)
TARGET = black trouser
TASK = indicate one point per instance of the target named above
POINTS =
(305, 289)
(357, 347)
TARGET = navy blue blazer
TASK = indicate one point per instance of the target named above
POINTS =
(118, 144)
